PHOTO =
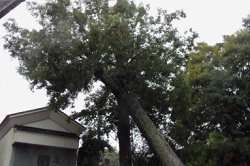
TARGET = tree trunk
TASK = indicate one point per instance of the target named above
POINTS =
(125, 157)
(156, 141)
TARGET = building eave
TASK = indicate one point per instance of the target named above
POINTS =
(7, 5)
(45, 131)
(31, 116)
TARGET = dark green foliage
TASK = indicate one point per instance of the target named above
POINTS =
(80, 42)
(246, 22)
(76, 39)
(145, 159)
(92, 150)
(213, 127)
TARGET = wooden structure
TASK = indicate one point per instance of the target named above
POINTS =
(39, 137)
(7, 5)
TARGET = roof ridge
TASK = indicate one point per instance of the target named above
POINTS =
(27, 111)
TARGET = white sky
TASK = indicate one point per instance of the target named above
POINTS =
(210, 18)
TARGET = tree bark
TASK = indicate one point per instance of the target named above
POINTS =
(156, 141)
(125, 155)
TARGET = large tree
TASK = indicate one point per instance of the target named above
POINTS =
(213, 128)
(130, 52)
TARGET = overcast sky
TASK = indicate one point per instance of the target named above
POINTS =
(210, 18)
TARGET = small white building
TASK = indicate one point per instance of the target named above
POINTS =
(39, 137)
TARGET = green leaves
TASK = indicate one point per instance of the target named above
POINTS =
(142, 54)
(216, 106)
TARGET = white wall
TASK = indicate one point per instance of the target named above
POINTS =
(47, 124)
(12, 136)
(6, 148)
(46, 140)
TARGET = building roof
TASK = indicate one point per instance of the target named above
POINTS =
(7, 5)
(45, 131)
(35, 115)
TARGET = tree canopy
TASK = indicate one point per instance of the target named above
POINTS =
(133, 54)
(81, 38)
(198, 100)
(213, 127)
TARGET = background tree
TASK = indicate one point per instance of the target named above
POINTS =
(214, 127)
(92, 149)
(134, 55)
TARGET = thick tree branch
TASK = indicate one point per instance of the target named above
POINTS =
(155, 140)
(102, 76)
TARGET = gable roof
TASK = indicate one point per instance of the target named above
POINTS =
(31, 116)
(7, 5)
